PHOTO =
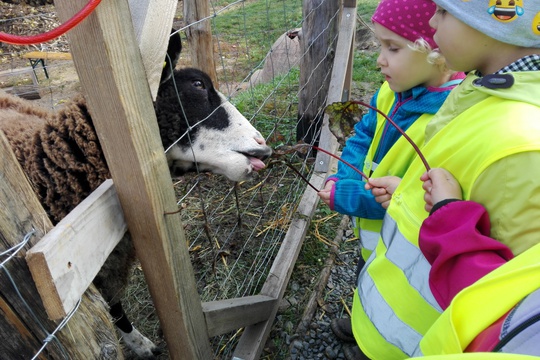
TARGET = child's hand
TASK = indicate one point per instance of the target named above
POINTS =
(325, 193)
(439, 185)
(383, 188)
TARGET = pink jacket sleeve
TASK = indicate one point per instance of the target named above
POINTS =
(455, 240)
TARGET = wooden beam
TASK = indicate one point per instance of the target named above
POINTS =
(152, 39)
(120, 102)
(227, 315)
(254, 337)
(66, 260)
(89, 333)
(47, 55)
(341, 77)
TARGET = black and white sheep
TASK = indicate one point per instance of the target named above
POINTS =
(62, 157)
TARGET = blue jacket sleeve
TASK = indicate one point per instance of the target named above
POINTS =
(351, 198)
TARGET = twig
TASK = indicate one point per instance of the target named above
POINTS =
(398, 129)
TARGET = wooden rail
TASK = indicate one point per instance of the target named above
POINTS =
(24, 324)
(125, 122)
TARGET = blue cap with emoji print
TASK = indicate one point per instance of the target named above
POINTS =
(514, 22)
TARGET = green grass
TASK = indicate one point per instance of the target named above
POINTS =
(366, 8)
(365, 68)
(272, 107)
(252, 27)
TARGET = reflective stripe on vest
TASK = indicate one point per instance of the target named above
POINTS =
(402, 258)
(368, 238)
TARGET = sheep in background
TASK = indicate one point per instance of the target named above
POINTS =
(62, 157)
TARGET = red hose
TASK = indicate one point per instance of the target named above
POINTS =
(53, 34)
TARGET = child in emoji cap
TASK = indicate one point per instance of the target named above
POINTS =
(487, 135)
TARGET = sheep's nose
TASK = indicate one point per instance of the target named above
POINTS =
(260, 140)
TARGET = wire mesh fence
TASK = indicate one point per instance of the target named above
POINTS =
(234, 230)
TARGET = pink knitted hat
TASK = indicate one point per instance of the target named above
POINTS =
(407, 18)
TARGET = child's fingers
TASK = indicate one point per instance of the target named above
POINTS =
(427, 186)
(429, 201)
(381, 199)
(379, 191)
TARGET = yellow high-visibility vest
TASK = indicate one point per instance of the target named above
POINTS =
(393, 163)
(476, 307)
(393, 307)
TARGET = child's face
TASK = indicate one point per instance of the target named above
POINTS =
(464, 48)
(403, 67)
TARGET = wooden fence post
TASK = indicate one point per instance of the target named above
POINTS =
(89, 333)
(318, 41)
(338, 90)
(200, 37)
(110, 68)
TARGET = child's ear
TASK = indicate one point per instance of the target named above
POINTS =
(173, 54)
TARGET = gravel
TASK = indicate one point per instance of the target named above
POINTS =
(313, 338)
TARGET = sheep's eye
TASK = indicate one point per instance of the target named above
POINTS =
(198, 84)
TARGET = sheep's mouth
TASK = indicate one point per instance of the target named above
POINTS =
(256, 159)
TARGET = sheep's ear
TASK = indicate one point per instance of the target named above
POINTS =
(173, 54)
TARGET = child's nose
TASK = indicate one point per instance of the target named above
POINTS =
(381, 60)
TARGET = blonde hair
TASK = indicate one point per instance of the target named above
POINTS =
(433, 57)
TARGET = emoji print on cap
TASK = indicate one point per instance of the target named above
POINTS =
(536, 24)
(505, 10)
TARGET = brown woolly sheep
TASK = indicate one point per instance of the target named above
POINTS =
(62, 157)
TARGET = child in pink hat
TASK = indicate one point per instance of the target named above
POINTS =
(416, 84)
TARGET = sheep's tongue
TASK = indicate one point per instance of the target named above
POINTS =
(256, 163)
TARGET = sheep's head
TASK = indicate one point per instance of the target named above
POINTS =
(202, 131)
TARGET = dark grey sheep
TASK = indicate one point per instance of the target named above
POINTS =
(61, 155)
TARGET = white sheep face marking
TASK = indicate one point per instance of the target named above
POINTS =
(219, 139)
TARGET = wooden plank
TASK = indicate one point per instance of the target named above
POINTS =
(121, 105)
(152, 39)
(66, 260)
(89, 332)
(200, 37)
(341, 75)
(227, 315)
(45, 55)
(254, 337)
